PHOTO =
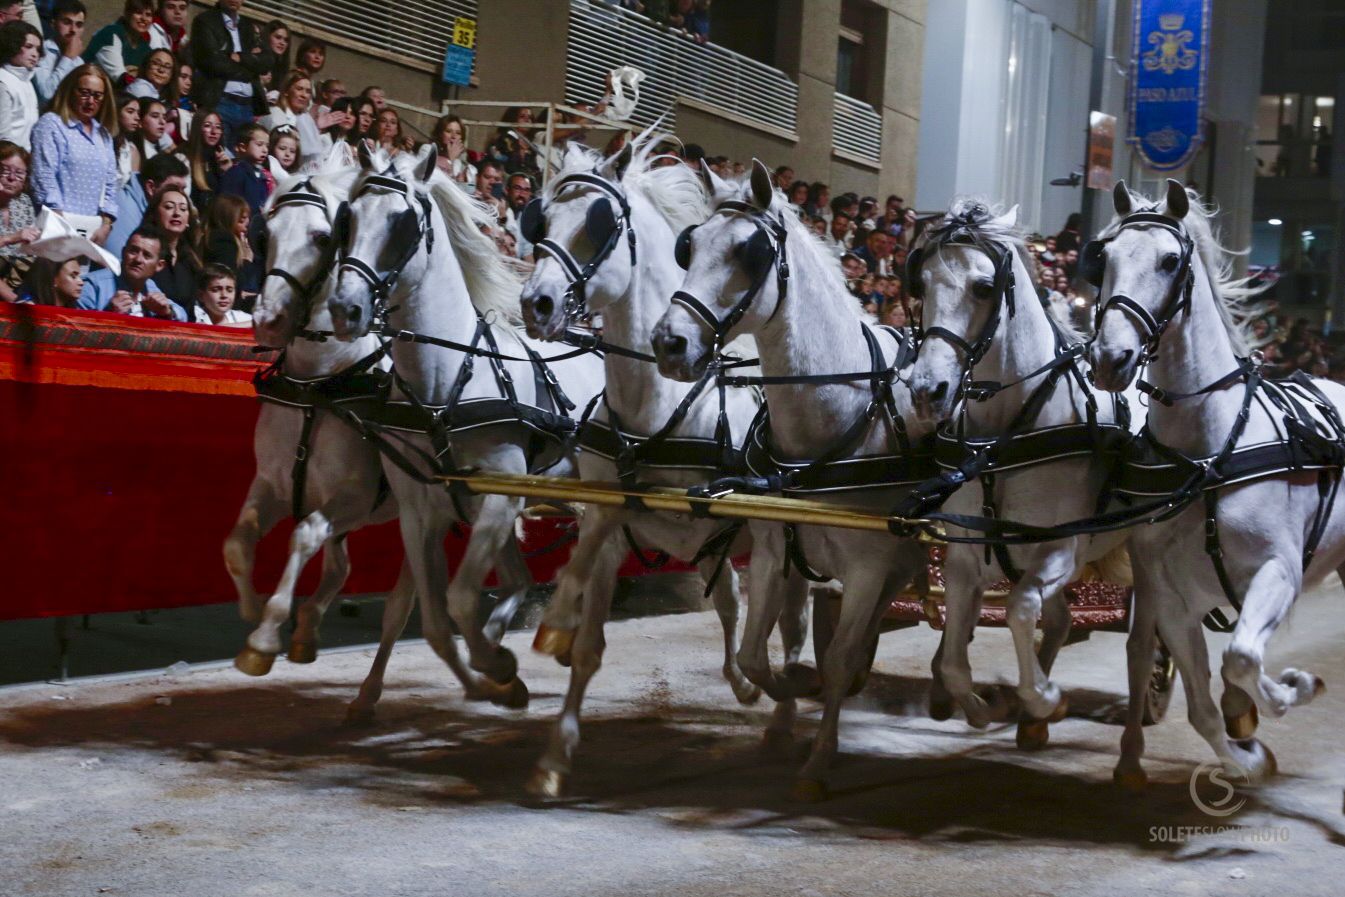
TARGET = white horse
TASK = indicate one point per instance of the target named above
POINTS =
(754, 268)
(630, 288)
(984, 322)
(416, 242)
(1167, 298)
(341, 472)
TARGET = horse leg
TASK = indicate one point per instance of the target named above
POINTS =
(335, 572)
(845, 657)
(553, 769)
(396, 612)
(492, 528)
(263, 643)
(765, 601)
(262, 510)
(962, 608)
(1033, 733)
(1181, 631)
(725, 594)
(1267, 600)
(778, 740)
(1140, 646)
(555, 634)
(514, 578)
(424, 544)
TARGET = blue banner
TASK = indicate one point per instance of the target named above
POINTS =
(1167, 87)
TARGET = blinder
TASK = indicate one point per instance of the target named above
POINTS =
(682, 248)
(407, 231)
(1093, 262)
(603, 225)
(532, 221)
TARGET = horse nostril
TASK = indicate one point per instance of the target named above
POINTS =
(674, 345)
(353, 313)
(1125, 357)
(542, 306)
(939, 391)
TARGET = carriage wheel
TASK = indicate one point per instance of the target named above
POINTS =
(1162, 681)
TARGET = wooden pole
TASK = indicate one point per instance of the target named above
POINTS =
(671, 499)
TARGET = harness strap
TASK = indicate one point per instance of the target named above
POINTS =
(299, 472)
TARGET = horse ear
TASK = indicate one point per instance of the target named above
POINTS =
(425, 169)
(1178, 202)
(1120, 197)
(366, 156)
(617, 165)
(1009, 218)
(762, 191)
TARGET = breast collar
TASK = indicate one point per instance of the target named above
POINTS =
(1178, 298)
(381, 285)
(773, 229)
(576, 298)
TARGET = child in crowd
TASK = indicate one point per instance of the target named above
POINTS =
(285, 148)
(53, 283)
(128, 132)
(248, 177)
(226, 243)
(207, 156)
(215, 293)
(152, 137)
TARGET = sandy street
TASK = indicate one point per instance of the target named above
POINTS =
(210, 784)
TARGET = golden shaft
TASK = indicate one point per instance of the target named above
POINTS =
(666, 498)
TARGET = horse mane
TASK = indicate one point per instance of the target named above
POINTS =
(804, 245)
(1232, 294)
(494, 282)
(989, 221)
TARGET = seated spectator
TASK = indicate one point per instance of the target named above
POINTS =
(155, 75)
(450, 139)
(133, 291)
(248, 178)
(21, 51)
(507, 148)
(63, 50)
(11, 11)
(278, 39)
(838, 239)
(206, 156)
(312, 56)
(374, 94)
(296, 95)
(74, 168)
(329, 92)
(894, 315)
(797, 194)
(868, 211)
(17, 217)
(169, 29)
(230, 56)
(122, 47)
(819, 200)
(162, 171)
(151, 139)
(389, 134)
(216, 291)
(54, 283)
(877, 251)
(342, 121)
(225, 242)
(170, 212)
(517, 194)
(490, 182)
(177, 99)
(784, 178)
(692, 154)
(285, 148)
(125, 144)
(364, 112)
(693, 17)
(1069, 238)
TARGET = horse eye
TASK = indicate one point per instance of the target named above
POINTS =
(983, 289)
(322, 241)
(1170, 262)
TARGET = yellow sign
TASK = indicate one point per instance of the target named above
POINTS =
(464, 32)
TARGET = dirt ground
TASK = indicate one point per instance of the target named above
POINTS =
(209, 783)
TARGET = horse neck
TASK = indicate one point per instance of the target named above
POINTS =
(640, 396)
(1195, 351)
(1024, 341)
(434, 304)
(812, 333)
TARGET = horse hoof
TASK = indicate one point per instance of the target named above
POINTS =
(808, 791)
(547, 784)
(555, 642)
(1033, 734)
(746, 693)
(359, 715)
(1133, 781)
(254, 662)
(503, 668)
(512, 694)
(1242, 726)
(777, 744)
(940, 709)
(1060, 710)
(804, 680)
(303, 652)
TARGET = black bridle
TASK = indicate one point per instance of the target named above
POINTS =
(770, 232)
(603, 229)
(1178, 298)
(303, 194)
(381, 285)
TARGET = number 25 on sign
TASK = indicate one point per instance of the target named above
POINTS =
(464, 32)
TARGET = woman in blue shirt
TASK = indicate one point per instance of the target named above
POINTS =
(74, 168)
